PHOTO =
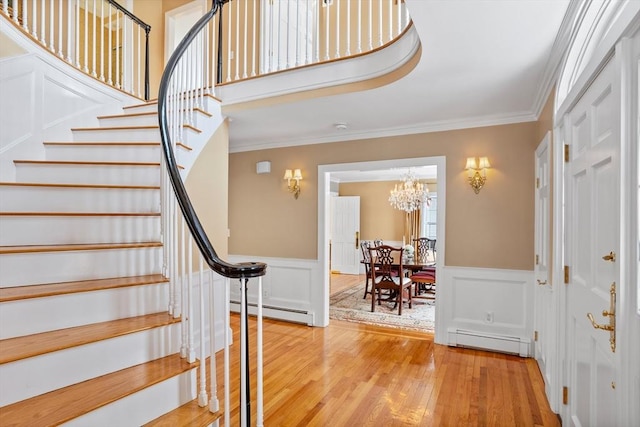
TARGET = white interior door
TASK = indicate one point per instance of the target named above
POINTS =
(544, 318)
(345, 234)
(592, 224)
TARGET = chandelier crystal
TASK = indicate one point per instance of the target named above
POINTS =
(410, 194)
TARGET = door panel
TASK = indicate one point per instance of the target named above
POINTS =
(345, 229)
(593, 228)
(544, 318)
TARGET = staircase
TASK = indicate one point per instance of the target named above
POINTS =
(86, 337)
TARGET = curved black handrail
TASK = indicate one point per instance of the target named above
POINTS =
(226, 269)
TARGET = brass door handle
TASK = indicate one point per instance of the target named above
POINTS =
(597, 325)
(357, 239)
(611, 256)
(611, 314)
(541, 282)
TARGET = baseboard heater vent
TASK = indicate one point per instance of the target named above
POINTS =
(488, 341)
(280, 313)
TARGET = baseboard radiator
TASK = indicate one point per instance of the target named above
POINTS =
(279, 313)
(488, 341)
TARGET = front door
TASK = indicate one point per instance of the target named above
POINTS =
(592, 224)
(544, 335)
(345, 234)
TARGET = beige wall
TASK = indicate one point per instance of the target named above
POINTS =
(378, 220)
(152, 12)
(493, 229)
(206, 186)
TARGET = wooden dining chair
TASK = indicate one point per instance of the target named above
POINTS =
(425, 279)
(366, 260)
(386, 262)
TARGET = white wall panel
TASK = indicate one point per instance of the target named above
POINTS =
(491, 304)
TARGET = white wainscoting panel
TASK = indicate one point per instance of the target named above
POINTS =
(42, 98)
(288, 288)
(487, 308)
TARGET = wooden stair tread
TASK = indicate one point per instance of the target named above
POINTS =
(67, 403)
(88, 129)
(80, 214)
(70, 162)
(189, 414)
(51, 289)
(78, 247)
(19, 348)
(102, 143)
(120, 116)
(38, 184)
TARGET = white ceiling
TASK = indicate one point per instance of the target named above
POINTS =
(483, 62)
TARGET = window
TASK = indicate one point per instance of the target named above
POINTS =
(429, 218)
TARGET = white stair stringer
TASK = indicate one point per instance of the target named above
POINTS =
(80, 308)
(89, 228)
(36, 375)
(55, 266)
(34, 197)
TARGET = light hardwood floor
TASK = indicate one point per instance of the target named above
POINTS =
(357, 375)
(340, 282)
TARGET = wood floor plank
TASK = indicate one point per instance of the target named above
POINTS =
(19, 348)
(349, 374)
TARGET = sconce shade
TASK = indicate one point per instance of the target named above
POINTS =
(471, 163)
(295, 176)
(476, 179)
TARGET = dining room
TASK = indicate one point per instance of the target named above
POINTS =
(395, 208)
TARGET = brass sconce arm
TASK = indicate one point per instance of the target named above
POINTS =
(293, 181)
(477, 172)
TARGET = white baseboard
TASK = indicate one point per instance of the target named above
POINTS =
(486, 341)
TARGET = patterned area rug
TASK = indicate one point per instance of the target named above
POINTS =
(349, 305)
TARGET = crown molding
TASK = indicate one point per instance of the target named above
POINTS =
(426, 127)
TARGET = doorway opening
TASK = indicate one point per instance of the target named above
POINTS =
(324, 193)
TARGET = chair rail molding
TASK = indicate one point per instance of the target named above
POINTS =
(488, 308)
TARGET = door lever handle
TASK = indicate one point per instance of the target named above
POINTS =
(541, 282)
(597, 325)
(611, 256)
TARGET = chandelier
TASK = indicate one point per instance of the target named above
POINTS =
(410, 194)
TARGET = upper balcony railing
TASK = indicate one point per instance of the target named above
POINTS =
(117, 55)
(267, 36)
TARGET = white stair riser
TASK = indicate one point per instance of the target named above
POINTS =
(64, 230)
(143, 406)
(104, 153)
(116, 135)
(89, 174)
(78, 199)
(67, 266)
(76, 309)
(40, 374)
(130, 120)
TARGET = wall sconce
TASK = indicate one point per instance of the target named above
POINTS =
(296, 176)
(477, 172)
